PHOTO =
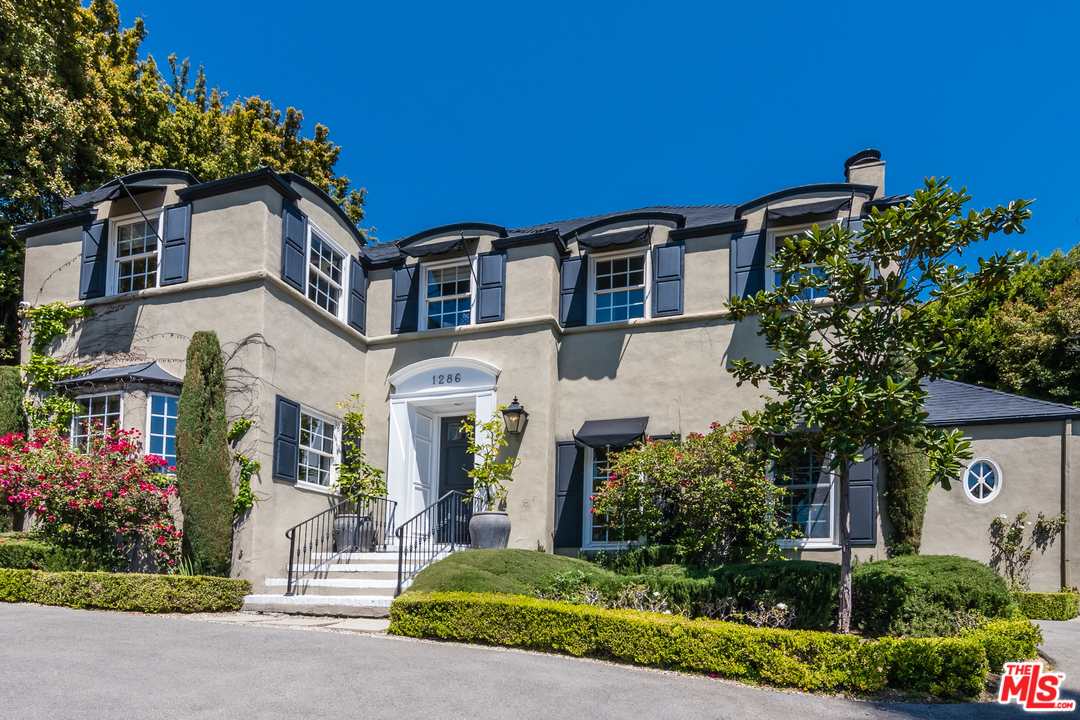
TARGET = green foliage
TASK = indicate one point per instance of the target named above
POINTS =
(710, 495)
(489, 473)
(12, 417)
(926, 595)
(782, 658)
(808, 587)
(23, 554)
(129, 592)
(80, 106)
(51, 321)
(239, 428)
(1019, 337)
(1048, 606)
(848, 370)
(1011, 554)
(46, 323)
(638, 560)
(245, 497)
(202, 457)
(907, 486)
(519, 572)
(355, 475)
(1007, 641)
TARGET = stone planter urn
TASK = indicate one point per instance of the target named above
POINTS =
(354, 532)
(489, 530)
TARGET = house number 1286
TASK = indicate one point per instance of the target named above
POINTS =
(447, 379)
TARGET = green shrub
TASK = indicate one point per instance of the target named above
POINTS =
(22, 554)
(784, 658)
(202, 458)
(906, 472)
(124, 591)
(638, 560)
(1007, 641)
(810, 588)
(515, 572)
(925, 595)
(12, 416)
(1048, 606)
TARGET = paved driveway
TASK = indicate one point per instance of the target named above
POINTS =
(61, 663)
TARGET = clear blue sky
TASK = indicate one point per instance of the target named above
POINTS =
(517, 113)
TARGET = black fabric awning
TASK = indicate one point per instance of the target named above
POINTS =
(108, 192)
(794, 212)
(620, 433)
(434, 248)
(621, 237)
(144, 372)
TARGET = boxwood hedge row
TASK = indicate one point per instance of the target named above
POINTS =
(804, 659)
(1048, 606)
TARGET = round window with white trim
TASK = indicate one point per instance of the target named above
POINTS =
(982, 480)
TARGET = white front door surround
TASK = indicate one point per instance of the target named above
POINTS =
(423, 393)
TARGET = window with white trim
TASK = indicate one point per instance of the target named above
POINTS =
(136, 252)
(808, 503)
(326, 272)
(448, 296)
(161, 427)
(619, 287)
(318, 449)
(599, 528)
(96, 414)
(776, 241)
(982, 480)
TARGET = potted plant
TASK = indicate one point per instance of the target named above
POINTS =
(489, 528)
(355, 479)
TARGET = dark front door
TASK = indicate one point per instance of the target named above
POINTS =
(455, 461)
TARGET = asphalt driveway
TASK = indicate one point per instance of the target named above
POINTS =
(62, 663)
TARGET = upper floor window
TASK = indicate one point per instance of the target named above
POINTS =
(136, 253)
(619, 287)
(326, 272)
(318, 449)
(808, 269)
(448, 296)
(96, 414)
(161, 427)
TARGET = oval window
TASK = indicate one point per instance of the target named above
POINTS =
(982, 480)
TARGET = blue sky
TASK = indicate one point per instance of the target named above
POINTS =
(518, 114)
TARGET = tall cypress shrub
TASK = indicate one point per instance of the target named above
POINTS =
(12, 419)
(202, 458)
(907, 477)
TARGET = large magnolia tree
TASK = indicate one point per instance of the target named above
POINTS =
(849, 368)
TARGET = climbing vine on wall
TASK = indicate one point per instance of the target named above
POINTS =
(246, 468)
(1013, 548)
(42, 325)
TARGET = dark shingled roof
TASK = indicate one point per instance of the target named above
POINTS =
(149, 372)
(695, 215)
(957, 403)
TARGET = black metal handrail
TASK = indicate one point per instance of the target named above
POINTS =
(360, 522)
(441, 527)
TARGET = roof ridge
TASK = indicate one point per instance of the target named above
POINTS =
(618, 212)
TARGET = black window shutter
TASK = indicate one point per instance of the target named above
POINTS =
(491, 294)
(668, 279)
(293, 244)
(177, 241)
(406, 299)
(95, 259)
(286, 439)
(862, 481)
(573, 291)
(357, 294)
(748, 263)
(569, 493)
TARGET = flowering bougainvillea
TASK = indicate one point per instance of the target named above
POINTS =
(709, 494)
(104, 498)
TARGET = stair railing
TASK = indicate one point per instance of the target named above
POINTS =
(439, 528)
(358, 521)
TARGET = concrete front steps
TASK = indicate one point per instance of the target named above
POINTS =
(352, 585)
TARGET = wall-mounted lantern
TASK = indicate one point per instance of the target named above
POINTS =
(514, 416)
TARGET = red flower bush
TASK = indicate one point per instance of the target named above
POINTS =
(103, 499)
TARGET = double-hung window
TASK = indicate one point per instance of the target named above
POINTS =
(136, 252)
(161, 427)
(448, 296)
(96, 414)
(808, 502)
(619, 290)
(807, 269)
(318, 449)
(326, 272)
(599, 529)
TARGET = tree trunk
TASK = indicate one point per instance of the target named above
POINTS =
(845, 552)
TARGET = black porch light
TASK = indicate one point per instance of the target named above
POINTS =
(514, 416)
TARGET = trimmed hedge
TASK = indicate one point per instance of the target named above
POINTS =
(1048, 606)
(26, 554)
(811, 588)
(803, 659)
(1007, 641)
(124, 591)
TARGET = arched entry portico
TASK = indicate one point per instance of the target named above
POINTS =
(424, 394)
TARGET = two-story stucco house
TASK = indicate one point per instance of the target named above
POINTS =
(605, 328)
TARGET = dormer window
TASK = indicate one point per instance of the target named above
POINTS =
(448, 294)
(325, 273)
(136, 252)
(807, 269)
(619, 290)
